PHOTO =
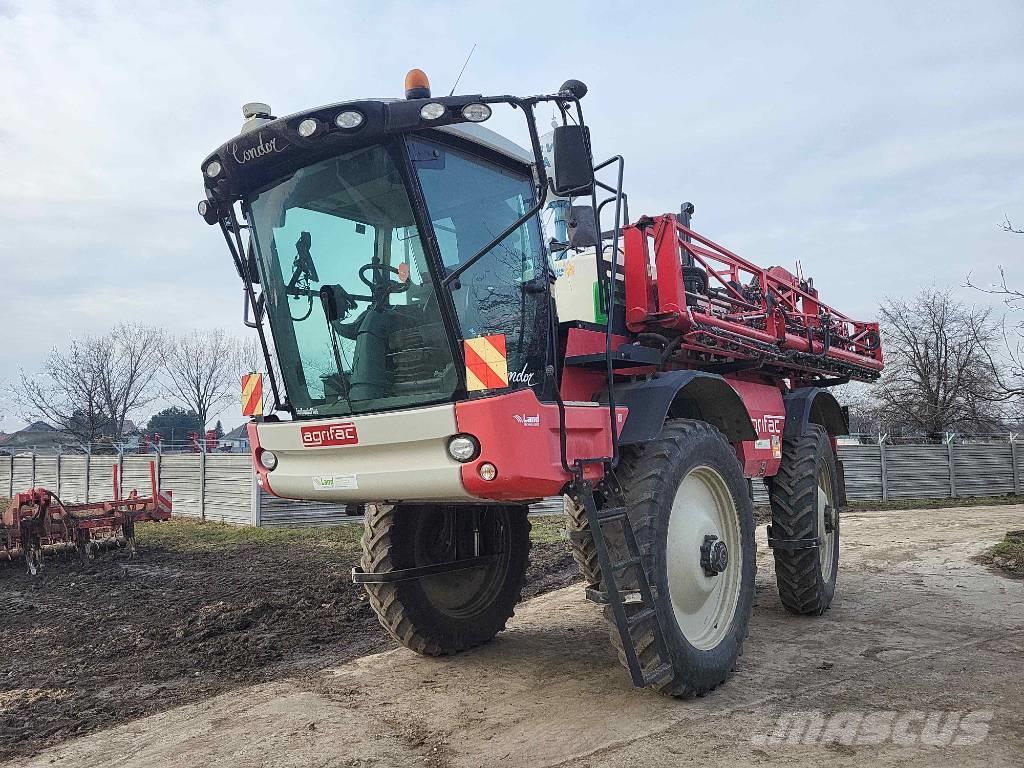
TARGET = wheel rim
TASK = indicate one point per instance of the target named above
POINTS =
(703, 605)
(462, 594)
(828, 538)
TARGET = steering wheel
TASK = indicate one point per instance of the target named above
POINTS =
(380, 280)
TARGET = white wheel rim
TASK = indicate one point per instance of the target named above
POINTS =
(703, 605)
(828, 538)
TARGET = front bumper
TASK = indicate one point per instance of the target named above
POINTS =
(397, 456)
(402, 456)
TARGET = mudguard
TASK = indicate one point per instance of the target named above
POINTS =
(689, 394)
(813, 405)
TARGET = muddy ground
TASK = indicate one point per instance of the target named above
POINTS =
(919, 630)
(201, 611)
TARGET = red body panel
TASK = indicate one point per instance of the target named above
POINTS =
(255, 449)
(519, 435)
(761, 457)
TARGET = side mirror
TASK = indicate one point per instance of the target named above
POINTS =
(573, 169)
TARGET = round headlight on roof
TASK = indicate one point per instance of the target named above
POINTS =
(432, 111)
(349, 119)
(213, 169)
(476, 113)
(308, 127)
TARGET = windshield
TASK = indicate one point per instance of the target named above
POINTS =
(471, 201)
(351, 304)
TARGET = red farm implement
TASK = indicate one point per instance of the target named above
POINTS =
(37, 522)
(721, 312)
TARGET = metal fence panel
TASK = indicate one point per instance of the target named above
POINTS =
(179, 473)
(46, 473)
(276, 512)
(862, 465)
(72, 478)
(917, 471)
(6, 464)
(983, 470)
(229, 488)
(135, 475)
(22, 473)
(101, 476)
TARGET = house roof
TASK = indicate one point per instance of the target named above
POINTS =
(37, 426)
(240, 432)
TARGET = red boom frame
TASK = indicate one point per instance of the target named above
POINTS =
(768, 318)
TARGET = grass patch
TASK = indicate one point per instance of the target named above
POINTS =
(547, 529)
(1007, 555)
(939, 503)
(191, 535)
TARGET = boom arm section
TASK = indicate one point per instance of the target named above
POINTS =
(720, 310)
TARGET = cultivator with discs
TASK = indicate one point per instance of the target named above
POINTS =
(37, 522)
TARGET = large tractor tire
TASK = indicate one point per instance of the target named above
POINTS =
(682, 489)
(581, 541)
(448, 612)
(804, 497)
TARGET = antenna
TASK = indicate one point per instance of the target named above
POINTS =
(463, 69)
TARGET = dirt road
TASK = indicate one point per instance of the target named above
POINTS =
(918, 628)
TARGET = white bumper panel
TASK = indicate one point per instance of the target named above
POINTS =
(401, 456)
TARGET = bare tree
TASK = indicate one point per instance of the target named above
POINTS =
(248, 356)
(940, 372)
(1009, 381)
(90, 389)
(127, 361)
(199, 371)
(66, 393)
(1007, 226)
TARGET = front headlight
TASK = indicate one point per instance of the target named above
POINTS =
(432, 111)
(463, 448)
(349, 119)
(268, 459)
(476, 113)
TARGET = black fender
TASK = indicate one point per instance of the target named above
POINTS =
(681, 394)
(813, 405)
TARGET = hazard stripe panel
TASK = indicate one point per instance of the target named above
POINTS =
(252, 394)
(486, 362)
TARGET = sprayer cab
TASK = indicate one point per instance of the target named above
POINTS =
(389, 239)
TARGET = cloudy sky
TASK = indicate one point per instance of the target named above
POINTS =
(879, 145)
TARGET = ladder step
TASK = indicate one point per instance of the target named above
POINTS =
(658, 674)
(611, 514)
(623, 565)
(640, 617)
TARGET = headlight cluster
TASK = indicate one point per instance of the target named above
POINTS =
(475, 113)
(347, 120)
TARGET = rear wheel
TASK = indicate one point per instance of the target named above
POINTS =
(694, 523)
(804, 497)
(448, 612)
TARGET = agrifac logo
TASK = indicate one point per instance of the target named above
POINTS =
(321, 436)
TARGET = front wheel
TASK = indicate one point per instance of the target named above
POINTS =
(694, 523)
(447, 612)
